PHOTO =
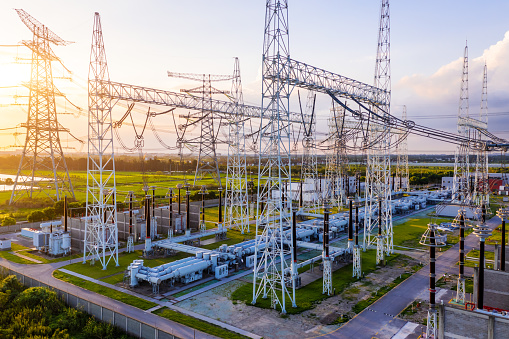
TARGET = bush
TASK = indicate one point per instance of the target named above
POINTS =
(59, 207)
(33, 296)
(49, 213)
(36, 216)
(8, 221)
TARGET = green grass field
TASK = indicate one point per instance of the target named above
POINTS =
(496, 236)
(197, 324)
(109, 292)
(311, 294)
(408, 232)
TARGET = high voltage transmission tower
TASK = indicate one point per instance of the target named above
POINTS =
(481, 188)
(274, 276)
(274, 210)
(207, 156)
(461, 183)
(378, 169)
(310, 201)
(336, 175)
(402, 178)
(42, 152)
(101, 232)
(236, 198)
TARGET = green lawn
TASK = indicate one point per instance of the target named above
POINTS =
(14, 258)
(475, 254)
(197, 324)
(308, 296)
(407, 233)
(496, 236)
(106, 291)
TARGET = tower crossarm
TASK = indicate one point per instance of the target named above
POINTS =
(473, 123)
(40, 30)
(200, 77)
(120, 91)
(319, 80)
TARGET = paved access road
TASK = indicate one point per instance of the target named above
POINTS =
(379, 320)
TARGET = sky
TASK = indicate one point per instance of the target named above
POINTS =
(145, 40)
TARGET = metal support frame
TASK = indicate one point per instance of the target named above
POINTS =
(236, 208)
(357, 262)
(101, 233)
(326, 259)
(432, 239)
(130, 238)
(460, 288)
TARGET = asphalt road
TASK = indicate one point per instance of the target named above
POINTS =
(379, 320)
(44, 274)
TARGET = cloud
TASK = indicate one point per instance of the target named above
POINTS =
(444, 84)
(437, 95)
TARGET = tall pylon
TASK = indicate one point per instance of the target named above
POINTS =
(310, 193)
(402, 179)
(42, 152)
(336, 175)
(236, 202)
(481, 188)
(461, 181)
(101, 232)
(378, 169)
(207, 157)
(270, 278)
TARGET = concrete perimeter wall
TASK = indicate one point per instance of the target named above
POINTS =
(496, 289)
(130, 325)
(457, 323)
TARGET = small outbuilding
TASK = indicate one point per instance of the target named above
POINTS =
(5, 244)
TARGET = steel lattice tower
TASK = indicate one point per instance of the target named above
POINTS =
(101, 233)
(311, 195)
(378, 169)
(236, 203)
(274, 169)
(42, 151)
(402, 175)
(481, 188)
(336, 177)
(207, 156)
(461, 182)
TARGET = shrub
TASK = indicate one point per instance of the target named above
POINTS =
(36, 216)
(8, 221)
(33, 296)
(49, 213)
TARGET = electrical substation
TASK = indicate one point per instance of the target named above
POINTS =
(229, 247)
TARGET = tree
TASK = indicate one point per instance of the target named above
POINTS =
(35, 216)
(6, 221)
